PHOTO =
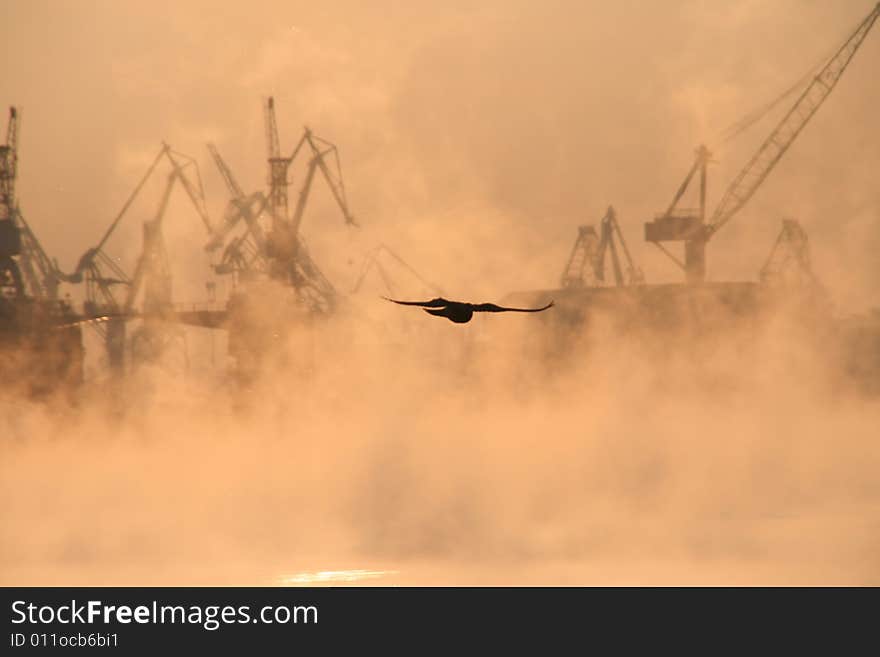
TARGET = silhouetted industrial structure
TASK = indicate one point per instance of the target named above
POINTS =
(670, 315)
(277, 285)
(268, 259)
(690, 226)
(40, 336)
(586, 264)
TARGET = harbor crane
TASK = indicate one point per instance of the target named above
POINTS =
(692, 226)
(278, 249)
(586, 264)
(151, 278)
(373, 262)
(789, 260)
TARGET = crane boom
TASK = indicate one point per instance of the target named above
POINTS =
(195, 191)
(303, 197)
(337, 187)
(130, 200)
(774, 147)
(231, 183)
(242, 206)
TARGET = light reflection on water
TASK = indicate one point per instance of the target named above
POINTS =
(332, 576)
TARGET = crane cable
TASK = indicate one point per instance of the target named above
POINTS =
(751, 118)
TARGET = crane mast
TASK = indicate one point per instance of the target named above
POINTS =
(278, 166)
(8, 166)
(690, 226)
(11, 282)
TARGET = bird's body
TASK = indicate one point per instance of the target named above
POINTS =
(461, 312)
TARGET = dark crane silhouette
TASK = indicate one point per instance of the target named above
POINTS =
(461, 312)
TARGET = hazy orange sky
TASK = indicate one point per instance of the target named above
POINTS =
(475, 137)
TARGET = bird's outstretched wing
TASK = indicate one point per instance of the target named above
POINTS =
(439, 302)
(492, 308)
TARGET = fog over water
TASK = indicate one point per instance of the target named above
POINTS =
(475, 138)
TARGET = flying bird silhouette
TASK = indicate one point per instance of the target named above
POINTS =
(461, 312)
